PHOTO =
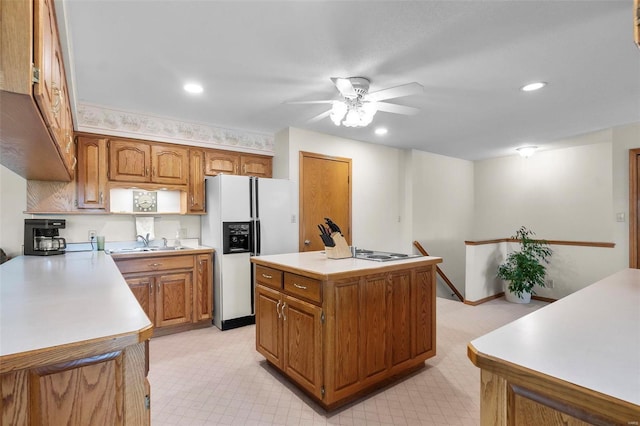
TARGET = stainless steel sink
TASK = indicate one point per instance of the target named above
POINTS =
(141, 249)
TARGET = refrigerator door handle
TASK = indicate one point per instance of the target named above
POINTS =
(251, 197)
(257, 237)
(257, 195)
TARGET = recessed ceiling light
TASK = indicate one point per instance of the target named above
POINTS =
(533, 86)
(193, 88)
(381, 131)
(527, 151)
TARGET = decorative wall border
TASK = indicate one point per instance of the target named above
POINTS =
(109, 121)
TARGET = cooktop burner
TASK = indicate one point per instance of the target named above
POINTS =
(382, 256)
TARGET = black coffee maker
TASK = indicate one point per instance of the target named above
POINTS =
(41, 237)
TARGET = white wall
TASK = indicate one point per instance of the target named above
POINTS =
(13, 201)
(442, 199)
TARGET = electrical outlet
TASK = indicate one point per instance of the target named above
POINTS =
(549, 283)
(92, 235)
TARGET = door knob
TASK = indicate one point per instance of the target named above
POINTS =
(307, 242)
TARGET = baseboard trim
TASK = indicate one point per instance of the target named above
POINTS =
(543, 299)
(486, 299)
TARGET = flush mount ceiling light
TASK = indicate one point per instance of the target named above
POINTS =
(533, 86)
(194, 88)
(381, 131)
(527, 151)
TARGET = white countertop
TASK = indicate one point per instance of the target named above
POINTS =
(590, 338)
(57, 300)
(316, 262)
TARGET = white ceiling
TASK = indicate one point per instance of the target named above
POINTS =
(471, 57)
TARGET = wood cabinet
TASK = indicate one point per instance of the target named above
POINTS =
(218, 161)
(256, 165)
(174, 290)
(289, 335)
(636, 22)
(196, 194)
(36, 140)
(234, 163)
(339, 338)
(92, 173)
(134, 161)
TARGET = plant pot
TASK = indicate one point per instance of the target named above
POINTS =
(513, 298)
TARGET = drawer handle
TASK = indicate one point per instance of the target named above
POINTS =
(155, 265)
(266, 276)
(57, 99)
(301, 287)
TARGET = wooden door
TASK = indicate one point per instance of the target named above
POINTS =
(142, 289)
(196, 181)
(129, 161)
(203, 302)
(325, 191)
(269, 340)
(634, 208)
(217, 162)
(92, 173)
(173, 299)
(254, 165)
(302, 330)
(400, 313)
(169, 164)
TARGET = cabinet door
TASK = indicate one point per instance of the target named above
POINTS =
(425, 319)
(253, 165)
(196, 181)
(217, 162)
(129, 161)
(170, 164)
(92, 173)
(302, 330)
(268, 328)
(203, 300)
(400, 313)
(173, 299)
(47, 91)
(142, 289)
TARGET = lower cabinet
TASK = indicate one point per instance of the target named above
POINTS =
(173, 290)
(339, 339)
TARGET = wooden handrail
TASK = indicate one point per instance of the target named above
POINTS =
(439, 271)
(551, 242)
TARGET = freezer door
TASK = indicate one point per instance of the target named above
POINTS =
(278, 233)
(235, 198)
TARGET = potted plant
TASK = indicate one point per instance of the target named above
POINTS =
(525, 269)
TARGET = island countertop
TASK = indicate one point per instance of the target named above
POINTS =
(590, 339)
(53, 301)
(316, 265)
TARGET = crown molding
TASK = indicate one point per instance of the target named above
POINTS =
(108, 121)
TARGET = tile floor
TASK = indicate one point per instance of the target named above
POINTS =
(209, 377)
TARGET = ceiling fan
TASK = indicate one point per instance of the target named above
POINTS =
(357, 106)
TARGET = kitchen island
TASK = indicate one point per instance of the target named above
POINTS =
(73, 343)
(342, 328)
(576, 361)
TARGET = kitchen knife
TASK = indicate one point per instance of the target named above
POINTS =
(327, 240)
(332, 226)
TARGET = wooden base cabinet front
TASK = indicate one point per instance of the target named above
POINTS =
(347, 337)
(102, 383)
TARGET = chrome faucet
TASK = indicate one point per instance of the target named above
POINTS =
(144, 240)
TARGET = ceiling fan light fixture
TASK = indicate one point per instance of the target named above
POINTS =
(338, 110)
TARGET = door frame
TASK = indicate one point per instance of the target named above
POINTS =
(634, 198)
(301, 157)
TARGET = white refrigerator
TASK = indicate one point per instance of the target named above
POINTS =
(263, 207)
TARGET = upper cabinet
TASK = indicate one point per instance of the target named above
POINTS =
(256, 165)
(92, 173)
(132, 161)
(196, 196)
(636, 21)
(36, 140)
(221, 162)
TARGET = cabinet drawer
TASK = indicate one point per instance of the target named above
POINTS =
(269, 277)
(150, 264)
(304, 287)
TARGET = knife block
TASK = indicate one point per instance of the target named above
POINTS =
(341, 250)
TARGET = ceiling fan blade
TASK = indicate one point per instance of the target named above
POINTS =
(311, 102)
(395, 92)
(396, 109)
(344, 86)
(319, 116)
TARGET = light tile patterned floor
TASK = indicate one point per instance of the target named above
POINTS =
(209, 377)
